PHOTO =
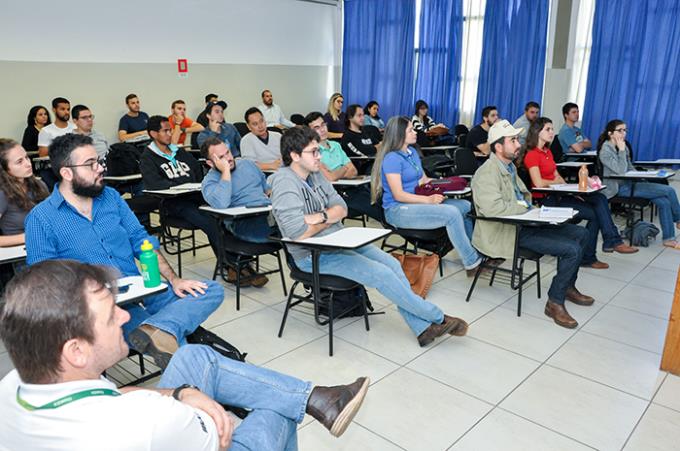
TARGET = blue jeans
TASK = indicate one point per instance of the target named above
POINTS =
(594, 209)
(372, 267)
(255, 229)
(277, 401)
(452, 214)
(567, 243)
(665, 199)
(175, 315)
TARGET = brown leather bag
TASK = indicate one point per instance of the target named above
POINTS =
(420, 271)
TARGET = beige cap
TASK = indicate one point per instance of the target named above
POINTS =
(501, 129)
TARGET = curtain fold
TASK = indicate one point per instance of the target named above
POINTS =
(439, 58)
(634, 74)
(513, 56)
(377, 55)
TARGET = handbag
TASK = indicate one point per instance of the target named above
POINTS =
(419, 270)
(441, 186)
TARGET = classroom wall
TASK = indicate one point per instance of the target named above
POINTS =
(97, 53)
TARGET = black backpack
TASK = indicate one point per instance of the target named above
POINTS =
(123, 159)
(345, 299)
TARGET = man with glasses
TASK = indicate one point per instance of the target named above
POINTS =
(84, 122)
(86, 221)
(305, 205)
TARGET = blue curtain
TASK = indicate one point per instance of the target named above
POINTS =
(377, 55)
(439, 58)
(634, 74)
(513, 56)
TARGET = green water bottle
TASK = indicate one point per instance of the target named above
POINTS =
(149, 261)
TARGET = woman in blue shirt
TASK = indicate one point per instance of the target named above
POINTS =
(371, 118)
(396, 174)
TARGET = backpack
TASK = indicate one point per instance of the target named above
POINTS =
(204, 337)
(641, 232)
(344, 300)
(123, 159)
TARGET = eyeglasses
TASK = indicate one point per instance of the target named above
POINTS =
(93, 164)
(622, 130)
(315, 153)
(87, 118)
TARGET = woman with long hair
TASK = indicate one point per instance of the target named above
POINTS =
(593, 208)
(615, 158)
(396, 174)
(20, 191)
(38, 117)
(334, 117)
(371, 116)
(424, 125)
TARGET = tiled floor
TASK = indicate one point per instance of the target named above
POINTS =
(511, 384)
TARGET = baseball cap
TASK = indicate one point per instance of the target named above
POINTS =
(221, 103)
(501, 129)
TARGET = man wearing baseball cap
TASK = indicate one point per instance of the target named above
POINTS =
(498, 191)
(225, 131)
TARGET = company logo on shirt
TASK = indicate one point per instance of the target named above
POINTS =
(176, 171)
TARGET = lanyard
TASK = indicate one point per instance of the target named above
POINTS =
(66, 399)
(407, 157)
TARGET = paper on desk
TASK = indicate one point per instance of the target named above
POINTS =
(187, 187)
(535, 215)
(642, 173)
(556, 212)
(349, 237)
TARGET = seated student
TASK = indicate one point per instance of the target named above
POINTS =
(203, 115)
(336, 165)
(84, 122)
(261, 146)
(62, 329)
(272, 113)
(217, 127)
(571, 137)
(305, 204)
(132, 126)
(86, 221)
(498, 191)
(20, 191)
(236, 184)
(477, 139)
(61, 126)
(396, 173)
(334, 117)
(38, 117)
(613, 155)
(422, 123)
(371, 116)
(593, 208)
(356, 142)
(180, 124)
(523, 122)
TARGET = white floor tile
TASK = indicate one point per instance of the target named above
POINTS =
(315, 437)
(453, 303)
(227, 311)
(611, 363)
(503, 431)
(669, 393)
(659, 430)
(497, 293)
(418, 413)
(645, 300)
(668, 259)
(626, 326)
(474, 367)
(620, 267)
(589, 412)
(659, 279)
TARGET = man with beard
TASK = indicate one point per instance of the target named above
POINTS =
(132, 126)
(272, 112)
(86, 221)
(498, 191)
(61, 125)
(477, 138)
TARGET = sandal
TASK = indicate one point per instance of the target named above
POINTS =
(673, 244)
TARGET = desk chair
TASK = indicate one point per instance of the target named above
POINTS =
(297, 119)
(520, 255)
(466, 162)
(142, 206)
(460, 133)
(170, 238)
(242, 128)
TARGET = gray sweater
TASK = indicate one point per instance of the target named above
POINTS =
(293, 197)
(614, 162)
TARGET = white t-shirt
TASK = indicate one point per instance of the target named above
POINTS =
(139, 420)
(49, 132)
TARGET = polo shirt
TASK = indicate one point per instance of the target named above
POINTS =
(333, 157)
(56, 230)
(569, 136)
(141, 420)
(408, 165)
(543, 159)
(133, 124)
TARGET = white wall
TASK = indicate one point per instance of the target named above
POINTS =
(96, 52)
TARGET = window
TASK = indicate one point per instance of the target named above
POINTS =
(582, 46)
(473, 30)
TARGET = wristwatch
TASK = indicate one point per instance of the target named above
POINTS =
(178, 390)
(324, 215)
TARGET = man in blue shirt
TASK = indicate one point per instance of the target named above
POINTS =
(571, 137)
(132, 126)
(86, 221)
(217, 127)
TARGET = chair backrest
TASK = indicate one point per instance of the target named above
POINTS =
(372, 132)
(436, 166)
(466, 163)
(557, 151)
(242, 128)
(297, 119)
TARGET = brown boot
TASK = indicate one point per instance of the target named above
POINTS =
(596, 265)
(231, 277)
(560, 315)
(436, 331)
(578, 298)
(623, 248)
(334, 407)
(460, 326)
(256, 280)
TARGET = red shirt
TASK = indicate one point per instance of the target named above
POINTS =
(543, 159)
(186, 123)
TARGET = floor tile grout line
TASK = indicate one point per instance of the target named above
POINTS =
(637, 423)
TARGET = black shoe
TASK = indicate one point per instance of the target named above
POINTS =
(159, 344)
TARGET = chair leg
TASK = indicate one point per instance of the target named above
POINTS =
(474, 282)
(283, 278)
(257, 263)
(141, 363)
(365, 310)
(521, 285)
(331, 314)
(493, 277)
(179, 254)
(193, 243)
(538, 278)
(285, 312)
(238, 283)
